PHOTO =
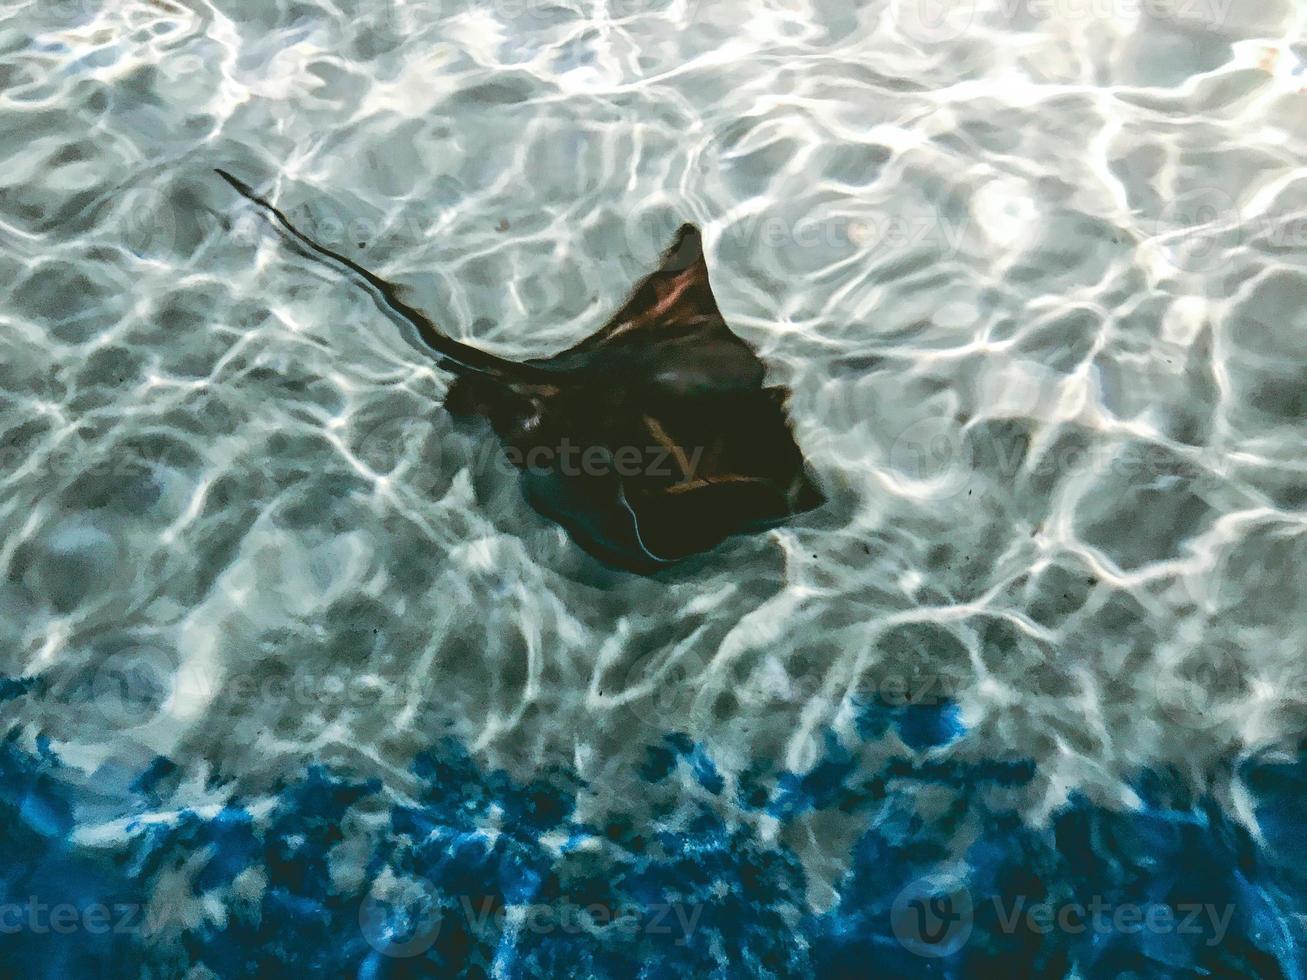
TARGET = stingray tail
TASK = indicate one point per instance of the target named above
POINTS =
(457, 356)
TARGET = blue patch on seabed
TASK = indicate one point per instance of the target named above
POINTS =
(480, 875)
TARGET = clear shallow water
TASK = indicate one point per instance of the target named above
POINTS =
(1035, 275)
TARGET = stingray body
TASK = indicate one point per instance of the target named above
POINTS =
(652, 440)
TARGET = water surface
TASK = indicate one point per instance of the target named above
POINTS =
(1035, 274)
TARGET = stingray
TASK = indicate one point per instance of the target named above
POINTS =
(652, 440)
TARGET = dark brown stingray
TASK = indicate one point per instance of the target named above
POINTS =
(649, 441)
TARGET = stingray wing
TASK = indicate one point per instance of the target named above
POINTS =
(676, 294)
(736, 469)
(693, 518)
(676, 298)
(666, 381)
